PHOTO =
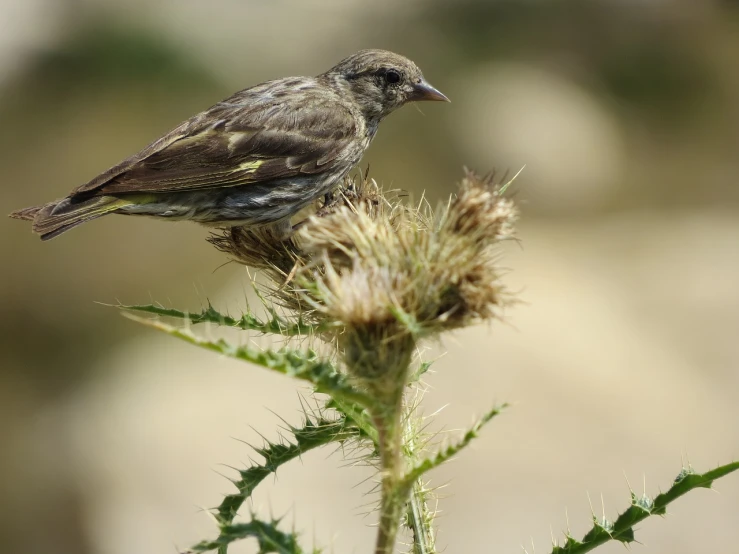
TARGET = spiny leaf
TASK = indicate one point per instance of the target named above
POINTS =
(424, 367)
(420, 372)
(248, 322)
(293, 363)
(314, 433)
(641, 508)
(445, 453)
(355, 414)
(269, 538)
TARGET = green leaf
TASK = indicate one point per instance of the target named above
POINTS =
(316, 432)
(355, 414)
(641, 508)
(306, 366)
(424, 367)
(248, 322)
(313, 434)
(445, 453)
(269, 538)
(420, 372)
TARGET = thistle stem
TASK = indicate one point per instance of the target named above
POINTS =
(423, 538)
(394, 493)
(419, 519)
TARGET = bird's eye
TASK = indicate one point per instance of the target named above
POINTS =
(392, 77)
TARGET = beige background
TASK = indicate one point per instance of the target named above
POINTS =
(622, 358)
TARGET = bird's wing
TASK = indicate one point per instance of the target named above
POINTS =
(245, 139)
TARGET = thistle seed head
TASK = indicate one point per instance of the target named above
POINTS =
(379, 275)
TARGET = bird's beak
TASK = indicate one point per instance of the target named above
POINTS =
(424, 91)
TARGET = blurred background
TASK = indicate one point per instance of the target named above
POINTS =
(621, 361)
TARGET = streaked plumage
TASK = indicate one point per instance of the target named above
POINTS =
(255, 158)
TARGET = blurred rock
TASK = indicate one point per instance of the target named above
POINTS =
(514, 115)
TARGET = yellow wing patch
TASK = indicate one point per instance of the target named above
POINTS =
(249, 167)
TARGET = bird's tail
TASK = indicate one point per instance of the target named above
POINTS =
(52, 219)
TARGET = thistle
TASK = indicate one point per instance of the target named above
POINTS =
(368, 279)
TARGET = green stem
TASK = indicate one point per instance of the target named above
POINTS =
(418, 516)
(394, 492)
(423, 533)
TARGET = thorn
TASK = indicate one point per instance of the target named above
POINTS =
(631, 490)
(502, 189)
(590, 502)
(603, 507)
(644, 486)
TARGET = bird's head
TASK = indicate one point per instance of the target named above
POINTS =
(381, 81)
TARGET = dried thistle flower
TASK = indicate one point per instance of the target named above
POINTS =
(276, 256)
(385, 274)
(258, 247)
(437, 269)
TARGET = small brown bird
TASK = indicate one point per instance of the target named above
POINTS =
(256, 158)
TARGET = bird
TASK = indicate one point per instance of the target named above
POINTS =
(254, 159)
